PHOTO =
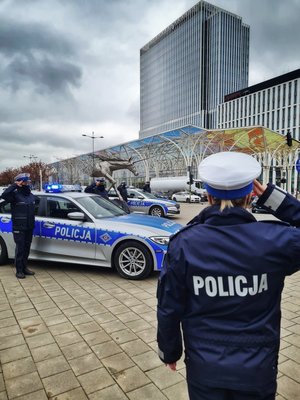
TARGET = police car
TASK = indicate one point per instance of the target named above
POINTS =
(147, 203)
(84, 228)
(58, 188)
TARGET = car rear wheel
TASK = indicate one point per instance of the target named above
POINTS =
(133, 260)
(156, 211)
(174, 198)
(3, 252)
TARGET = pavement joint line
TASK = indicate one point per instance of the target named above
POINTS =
(103, 288)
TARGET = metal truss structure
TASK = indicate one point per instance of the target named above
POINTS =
(175, 152)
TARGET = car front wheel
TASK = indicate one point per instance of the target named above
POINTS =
(156, 211)
(3, 252)
(133, 260)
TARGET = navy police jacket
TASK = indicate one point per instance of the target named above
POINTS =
(22, 206)
(221, 286)
(99, 190)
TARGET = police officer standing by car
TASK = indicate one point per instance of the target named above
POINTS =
(123, 191)
(222, 281)
(98, 187)
(146, 187)
(22, 210)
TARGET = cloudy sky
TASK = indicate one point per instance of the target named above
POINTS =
(69, 67)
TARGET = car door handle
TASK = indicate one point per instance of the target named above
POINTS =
(5, 220)
(49, 225)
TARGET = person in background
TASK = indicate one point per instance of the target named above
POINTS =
(23, 220)
(146, 187)
(122, 188)
(221, 284)
(98, 187)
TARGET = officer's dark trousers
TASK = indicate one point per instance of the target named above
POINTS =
(23, 241)
(207, 393)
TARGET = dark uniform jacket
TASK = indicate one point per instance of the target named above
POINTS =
(221, 283)
(100, 190)
(22, 206)
(123, 192)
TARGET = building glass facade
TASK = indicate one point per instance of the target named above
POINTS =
(187, 69)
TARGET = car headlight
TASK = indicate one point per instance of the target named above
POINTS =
(163, 240)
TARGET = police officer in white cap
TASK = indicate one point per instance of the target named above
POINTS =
(221, 285)
(23, 220)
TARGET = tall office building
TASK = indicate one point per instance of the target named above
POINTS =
(186, 70)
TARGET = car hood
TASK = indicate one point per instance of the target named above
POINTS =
(142, 225)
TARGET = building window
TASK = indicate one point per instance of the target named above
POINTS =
(273, 98)
(263, 119)
(289, 117)
(283, 95)
(278, 96)
(273, 122)
(258, 102)
(283, 118)
(268, 99)
(254, 103)
(278, 119)
(290, 93)
(295, 91)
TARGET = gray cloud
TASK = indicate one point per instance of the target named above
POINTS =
(72, 67)
(21, 37)
(46, 75)
(274, 35)
(35, 55)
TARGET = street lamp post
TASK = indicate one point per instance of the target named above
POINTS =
(93, 137)
(32, 157)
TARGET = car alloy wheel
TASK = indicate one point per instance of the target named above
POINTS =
(156, 211)
(133, 260)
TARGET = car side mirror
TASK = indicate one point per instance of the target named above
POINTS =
(140, 197)
(76, 215)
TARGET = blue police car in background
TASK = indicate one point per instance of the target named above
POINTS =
(147, 203)
(59, 188)
(84, 228)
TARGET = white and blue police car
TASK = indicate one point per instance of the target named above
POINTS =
(147, 203)
(84, 228)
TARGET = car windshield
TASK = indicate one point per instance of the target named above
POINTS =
(149, 195)
(99, 207)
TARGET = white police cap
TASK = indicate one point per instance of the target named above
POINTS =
(23, 176)
(229, 175)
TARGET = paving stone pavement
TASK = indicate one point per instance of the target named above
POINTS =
(75, 333)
